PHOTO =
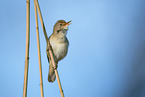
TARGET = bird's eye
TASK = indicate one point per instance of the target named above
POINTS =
(60, 24)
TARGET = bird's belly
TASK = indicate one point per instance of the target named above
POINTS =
(60, 50)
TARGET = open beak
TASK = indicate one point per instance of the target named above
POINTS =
(68, 23)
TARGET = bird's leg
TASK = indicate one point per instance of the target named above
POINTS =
(55, 67)
(49, 47)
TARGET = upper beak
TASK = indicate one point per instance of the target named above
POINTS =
(68, 23)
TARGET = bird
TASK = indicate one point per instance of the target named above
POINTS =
(59, 46)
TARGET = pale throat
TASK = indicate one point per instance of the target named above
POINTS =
(62, 34)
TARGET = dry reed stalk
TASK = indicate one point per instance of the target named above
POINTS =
(27, 48)
(39, 54)
(48, 44)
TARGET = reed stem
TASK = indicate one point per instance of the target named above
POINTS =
(27, 48)
(48, 44)
(39, 53)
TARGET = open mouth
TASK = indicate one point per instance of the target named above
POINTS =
(68, 23)
(65, 26)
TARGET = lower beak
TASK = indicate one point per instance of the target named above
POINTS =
(68, 23)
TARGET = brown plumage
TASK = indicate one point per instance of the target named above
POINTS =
(59, 44)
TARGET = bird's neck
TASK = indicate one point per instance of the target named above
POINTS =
(61, 34)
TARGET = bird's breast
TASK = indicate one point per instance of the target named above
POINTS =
(60, 48)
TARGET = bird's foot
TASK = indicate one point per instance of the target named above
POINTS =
(55, 67)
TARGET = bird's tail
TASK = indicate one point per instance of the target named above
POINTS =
(51, 75)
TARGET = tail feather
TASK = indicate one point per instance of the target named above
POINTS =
(51, 75)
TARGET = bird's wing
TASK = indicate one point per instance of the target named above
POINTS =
(47, 52)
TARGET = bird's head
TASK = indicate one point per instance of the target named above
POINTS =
(61, 27)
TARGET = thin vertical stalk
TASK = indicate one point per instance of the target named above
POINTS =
(56, 72)
(39, 54)
(41, 19)
(50, 51)
(27, 48)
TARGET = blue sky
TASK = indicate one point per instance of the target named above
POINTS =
(106, 56)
